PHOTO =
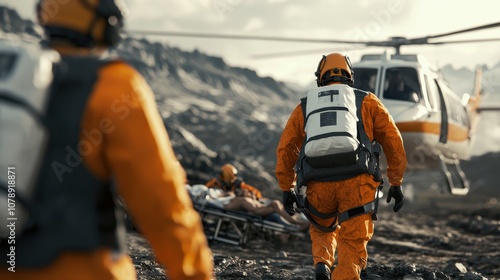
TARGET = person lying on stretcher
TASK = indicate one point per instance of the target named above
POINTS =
(244, 201)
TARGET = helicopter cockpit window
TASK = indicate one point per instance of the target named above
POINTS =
(7, 62)
(401, 83)
(365, 78)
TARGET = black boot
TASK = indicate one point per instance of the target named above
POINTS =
(323, 272)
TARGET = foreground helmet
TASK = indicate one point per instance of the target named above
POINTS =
(334, 68)
(228, 173)
(84, 23)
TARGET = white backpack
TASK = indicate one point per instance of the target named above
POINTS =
(26, 75)
(331, 126)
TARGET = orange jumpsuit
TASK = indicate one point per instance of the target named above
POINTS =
(327, 197)
(134, 150)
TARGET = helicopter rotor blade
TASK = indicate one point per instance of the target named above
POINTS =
(369, 44)
(387, 43)
(487, 26)
(238, 37)
(395, 42)
(464, 41)
(295, 53)
(424, 40)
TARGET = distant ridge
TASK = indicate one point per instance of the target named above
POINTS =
(231, 114)
(216, 113)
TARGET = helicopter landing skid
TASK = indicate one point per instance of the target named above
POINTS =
(455, 178)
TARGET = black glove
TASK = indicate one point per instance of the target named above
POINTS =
(396, 193)
(289, 198)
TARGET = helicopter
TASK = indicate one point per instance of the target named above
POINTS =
(437, 126)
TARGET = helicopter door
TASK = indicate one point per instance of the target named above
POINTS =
(432, 94)
(443, 134)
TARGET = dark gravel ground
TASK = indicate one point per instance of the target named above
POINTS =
(435, 236)
(432, 240)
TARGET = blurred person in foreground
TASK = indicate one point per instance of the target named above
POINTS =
(105, 110)
(340, 186)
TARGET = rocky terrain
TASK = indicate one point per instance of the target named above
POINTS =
(434, 236)
(436, 243)
(216, 113)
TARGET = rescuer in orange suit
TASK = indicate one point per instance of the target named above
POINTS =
(228, 180)
(352, 236)
(119, 135)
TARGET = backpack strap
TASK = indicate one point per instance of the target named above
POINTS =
(303, 103)
(363, 138)
(373, 147)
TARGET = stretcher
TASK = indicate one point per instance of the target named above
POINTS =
(237, 227)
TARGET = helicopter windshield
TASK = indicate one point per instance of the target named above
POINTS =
(401, 83)
(7, 61)
(365, 78)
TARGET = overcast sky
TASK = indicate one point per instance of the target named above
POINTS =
(323, 19)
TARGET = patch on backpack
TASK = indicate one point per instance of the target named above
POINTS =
(328, 118)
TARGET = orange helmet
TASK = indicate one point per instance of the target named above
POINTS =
(228, 173)
(84, 23)
(334, 68)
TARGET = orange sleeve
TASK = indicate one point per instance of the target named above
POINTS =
(212, 184)
(136, 151)
(252, 189)
(379, 125)
(288, 149)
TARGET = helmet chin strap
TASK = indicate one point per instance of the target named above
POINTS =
(94, 21)
(326, 79)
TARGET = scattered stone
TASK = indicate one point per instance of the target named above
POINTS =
(402, 269)
(264, 262)
(429, 275)
(473, 276)
(234, 273)
(455, 269)
(441, 275)
(282, 255)
(410, 277)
